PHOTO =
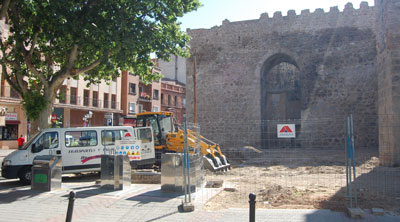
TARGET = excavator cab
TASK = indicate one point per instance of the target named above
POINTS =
(162, 124)
(168, 138)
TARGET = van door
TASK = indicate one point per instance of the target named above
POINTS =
(81, 149)
(47, 144)
(145, 134)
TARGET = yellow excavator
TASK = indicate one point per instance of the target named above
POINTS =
(169, 138)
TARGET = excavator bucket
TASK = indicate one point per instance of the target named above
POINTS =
(214, 164)
(215, 161)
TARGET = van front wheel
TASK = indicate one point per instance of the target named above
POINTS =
(25, 175)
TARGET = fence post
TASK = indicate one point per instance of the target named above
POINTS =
(70, 206)
(252, 203)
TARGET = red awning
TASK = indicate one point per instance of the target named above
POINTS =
(13, 122)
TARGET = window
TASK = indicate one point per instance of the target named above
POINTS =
(108, 137)
(62, 93)
(95, 102)
(9, 132)
(140, 90)
(132, 107)
(73, 98)
(162, 98)
(169, 100)
(13, 93)
(175, 101)
(113, 101)
(132, 88)
(140, 108)
(48, 140)
(86, 97)
(80, 138)
(155, 94)
(105, 100)
(156, 109)
(144, 135)
(150, 121)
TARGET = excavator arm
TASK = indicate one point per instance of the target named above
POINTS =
(213, 158)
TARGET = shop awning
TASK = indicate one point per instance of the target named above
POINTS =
(13, 122)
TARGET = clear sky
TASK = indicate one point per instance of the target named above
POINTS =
(213, 12)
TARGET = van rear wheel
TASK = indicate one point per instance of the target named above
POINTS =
(25, 175)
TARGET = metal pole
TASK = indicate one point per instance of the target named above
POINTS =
(345, 156)
(188, 170)
(252, 203)
(184, 157)
(353, 160)
(194, 90)
(349, 161)
(72, 196)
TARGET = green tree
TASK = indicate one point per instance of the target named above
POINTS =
(51, 40)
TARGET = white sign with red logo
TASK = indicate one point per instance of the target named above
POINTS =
(286, 131)
(128, 136)
(11, 116)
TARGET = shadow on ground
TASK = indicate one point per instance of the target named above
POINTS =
(379, 188)
(153, 196)
(16, 195)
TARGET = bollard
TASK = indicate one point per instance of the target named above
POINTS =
(252, 203)
(70, 206)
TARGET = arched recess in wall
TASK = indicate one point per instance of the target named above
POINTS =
(280, 93)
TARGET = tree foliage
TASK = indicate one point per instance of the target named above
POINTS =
(51, 40)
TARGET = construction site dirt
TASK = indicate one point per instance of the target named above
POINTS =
(305, 179)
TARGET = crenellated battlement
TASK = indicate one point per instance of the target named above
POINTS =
(363, 16)
(364, 7)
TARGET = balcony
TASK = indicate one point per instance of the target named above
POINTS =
(7, 92)
(88, 102)
(145, 97)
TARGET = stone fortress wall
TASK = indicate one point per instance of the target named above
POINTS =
(303, 68)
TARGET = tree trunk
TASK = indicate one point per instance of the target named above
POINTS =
(45, 116)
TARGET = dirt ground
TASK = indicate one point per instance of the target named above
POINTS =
(305, 179)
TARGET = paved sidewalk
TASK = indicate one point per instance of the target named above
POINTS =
(138, 203)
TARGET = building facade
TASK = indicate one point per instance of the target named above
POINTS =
(138, 97)
(175, 69)
(77, 101)
(173, 99)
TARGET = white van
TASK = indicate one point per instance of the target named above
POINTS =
(80, 148)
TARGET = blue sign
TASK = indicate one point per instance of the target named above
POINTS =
(137, 147)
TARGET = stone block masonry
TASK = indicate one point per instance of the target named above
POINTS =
(297, 67)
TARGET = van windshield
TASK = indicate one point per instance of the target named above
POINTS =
(27, 144)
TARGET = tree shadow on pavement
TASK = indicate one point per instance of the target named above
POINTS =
(89, 191)
(10, 184)
(16, 195)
